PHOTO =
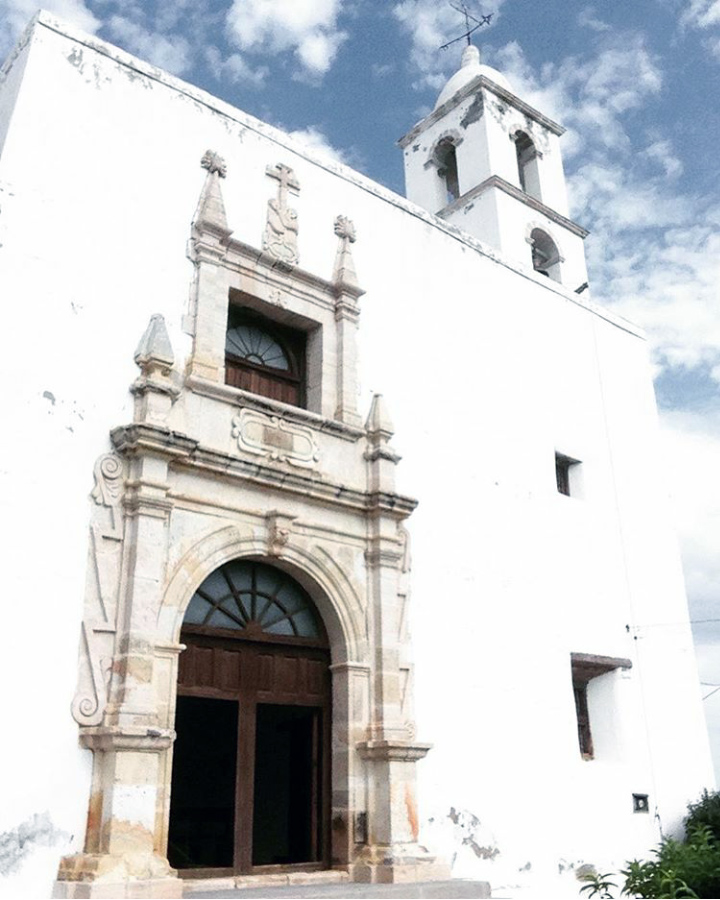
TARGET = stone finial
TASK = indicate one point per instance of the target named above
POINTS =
(155, 350)
(344, 274)
(379, 423)
(281, 228)
(214, 163)
(154, 390)
(210, 213)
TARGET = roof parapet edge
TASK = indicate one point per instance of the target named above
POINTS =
(340, 170)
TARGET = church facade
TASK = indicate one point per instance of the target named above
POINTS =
(221, 345)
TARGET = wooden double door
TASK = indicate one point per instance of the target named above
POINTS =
(251, 762)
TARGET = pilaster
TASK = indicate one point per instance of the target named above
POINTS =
(392, 852)
(208, 251)
(347, 316)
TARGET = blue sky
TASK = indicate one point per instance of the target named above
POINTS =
(636, 84)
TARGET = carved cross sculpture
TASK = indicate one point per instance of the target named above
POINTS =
(281, 229)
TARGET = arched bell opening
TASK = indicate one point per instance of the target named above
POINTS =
(447, 168)
(527, 156)
(250, 787)
(545, 255)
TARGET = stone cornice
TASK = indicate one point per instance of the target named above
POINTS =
(111, 739)
(402, 751)
(186, 453)
(495, 181)
(481, 81)
(210, 244)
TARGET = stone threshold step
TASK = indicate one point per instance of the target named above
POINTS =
(275, 879)
(455, 889)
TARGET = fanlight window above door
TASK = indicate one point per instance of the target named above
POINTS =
(264, 357)
(253, 598)
(251, 343)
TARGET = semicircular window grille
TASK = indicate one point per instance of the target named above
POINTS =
(256, 346)
(242, 592)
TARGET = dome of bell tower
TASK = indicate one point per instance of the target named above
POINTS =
(470, 68)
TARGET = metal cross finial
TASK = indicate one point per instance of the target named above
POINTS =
(469, 29)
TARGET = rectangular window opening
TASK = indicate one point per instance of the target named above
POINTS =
(566, 470)
(585, 667)
(265, 356)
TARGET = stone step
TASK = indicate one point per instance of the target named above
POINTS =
(324, 888)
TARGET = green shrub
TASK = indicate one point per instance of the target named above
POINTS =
(680, 869)
(705, 812)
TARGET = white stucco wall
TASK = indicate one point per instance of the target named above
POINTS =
(488, 370)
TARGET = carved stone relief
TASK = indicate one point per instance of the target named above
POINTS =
(275, 439)
(279, 530)
(99, 621)
(281, 230)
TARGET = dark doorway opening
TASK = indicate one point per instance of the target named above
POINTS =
(287, 760)
(251, 763)
(202, 826)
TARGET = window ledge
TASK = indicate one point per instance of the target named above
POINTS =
(237, 397)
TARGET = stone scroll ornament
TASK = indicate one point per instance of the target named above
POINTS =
(281, 230)
(99, 625)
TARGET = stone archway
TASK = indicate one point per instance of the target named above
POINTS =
(251, 760)
(343, 618)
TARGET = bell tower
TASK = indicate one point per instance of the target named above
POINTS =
(489, 163)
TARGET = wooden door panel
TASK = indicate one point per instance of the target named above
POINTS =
(255, 672)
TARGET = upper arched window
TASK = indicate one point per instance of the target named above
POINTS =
(527, 163)
(545, 255)
(254, 599)
(446, 157)
(264, 358)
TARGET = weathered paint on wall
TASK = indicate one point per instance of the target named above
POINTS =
(488, 369)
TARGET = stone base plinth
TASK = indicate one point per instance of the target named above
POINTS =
(393, 865)
(101, 875)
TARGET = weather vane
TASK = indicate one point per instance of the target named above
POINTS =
(470, 29)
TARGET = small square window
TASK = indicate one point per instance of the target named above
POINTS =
(641, 803)
(564, 474)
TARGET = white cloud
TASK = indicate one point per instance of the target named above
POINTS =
(430, 25)
(654, 251)
(172, 54)
(15, 15)
(661, 152)
(713, 45)
(701, 14)
(590, 95)
(309, 27)
(313, 139)
(235, 68)
(587, 18)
